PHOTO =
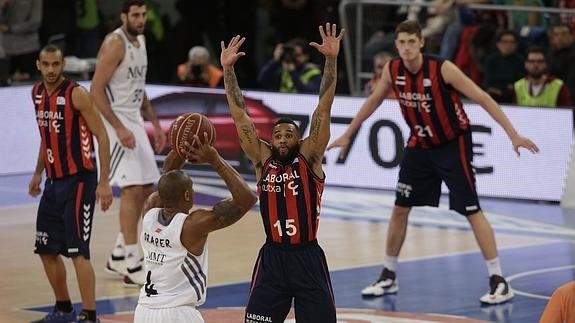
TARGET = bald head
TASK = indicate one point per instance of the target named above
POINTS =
(172, 188)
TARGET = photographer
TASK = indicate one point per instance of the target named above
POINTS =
(198, 71)
(290, 69)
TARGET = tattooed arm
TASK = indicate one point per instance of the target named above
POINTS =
(256, 150)
(314, 145)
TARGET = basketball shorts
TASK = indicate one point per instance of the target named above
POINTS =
(285, 273)
(64, 221)
(131, 166)
(171, 314)
(423, 170)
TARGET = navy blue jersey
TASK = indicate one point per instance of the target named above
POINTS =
(290, 198)
(65, 137)
(431, 107)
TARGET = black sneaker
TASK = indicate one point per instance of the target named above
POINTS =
(500, 291)
(385, 284)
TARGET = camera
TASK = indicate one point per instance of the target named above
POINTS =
(196, 70)
(288, 55)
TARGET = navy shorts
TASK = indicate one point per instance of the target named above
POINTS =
(282, 274)
(422, 171)
(64, 221)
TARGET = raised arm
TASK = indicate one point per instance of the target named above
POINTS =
(313, 147)
(372, 102)
(256, 150)
(85, 106)
(455, 77)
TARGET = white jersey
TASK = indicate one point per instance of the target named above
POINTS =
(125, 91)
(175, 277)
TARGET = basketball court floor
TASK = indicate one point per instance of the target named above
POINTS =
(441, 272)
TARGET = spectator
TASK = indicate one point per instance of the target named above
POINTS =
(379, 61)
(88, 28)
(531, 26)
(290, 70)
(198, 71)
(561, 305)
(562, 55)
(21, 42)
(503, 67)
(538, 88)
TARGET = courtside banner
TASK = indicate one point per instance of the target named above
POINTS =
(376, 151)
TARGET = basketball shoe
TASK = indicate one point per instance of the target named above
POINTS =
(58, 317)
(500, 291)
(136, 277)
(116, 266)
(385, 284)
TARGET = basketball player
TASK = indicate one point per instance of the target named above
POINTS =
(438, 149)
(118, 90)
(175, 240)
(67, 119)
(291, 266)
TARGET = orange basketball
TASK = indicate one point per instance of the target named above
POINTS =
(186, 126)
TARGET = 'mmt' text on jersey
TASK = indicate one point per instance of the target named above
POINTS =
(137, 72)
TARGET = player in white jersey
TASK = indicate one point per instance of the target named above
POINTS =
(118, 91)
(175, 242)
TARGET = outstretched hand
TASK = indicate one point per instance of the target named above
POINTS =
(526, 143)
(230, 53)
(330, 40)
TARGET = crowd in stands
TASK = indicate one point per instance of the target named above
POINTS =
(491, 47)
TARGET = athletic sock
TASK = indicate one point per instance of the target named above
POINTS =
(118, 251)
(390, 262)
(494, 267)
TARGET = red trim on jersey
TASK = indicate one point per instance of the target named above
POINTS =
(273, 212)
(464, 163)
(311, 233)
(436, 77)
(54, 144)
(427, 121)
(292, 209)
(69, 118)
(79, 218)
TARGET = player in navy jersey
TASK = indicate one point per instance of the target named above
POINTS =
(67, 119)
(438, 149)
(291, 266)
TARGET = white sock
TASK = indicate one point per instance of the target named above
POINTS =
(118, 250)
(494, 267)
(390, 262)
(132, 256)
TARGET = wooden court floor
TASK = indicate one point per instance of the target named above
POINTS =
(354, 245)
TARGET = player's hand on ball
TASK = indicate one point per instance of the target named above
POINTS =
(204, 152)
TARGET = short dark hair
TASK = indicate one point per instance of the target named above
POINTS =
(559, 25)
(128, 3)
(286, 120)
(50, 48)
(536, 50)
(505, 32)
(409, 26)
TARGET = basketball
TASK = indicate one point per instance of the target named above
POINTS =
(186, 126)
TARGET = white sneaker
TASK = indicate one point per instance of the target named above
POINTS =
(386, 284)
(135, 278)
(116, 266)
(500, 291)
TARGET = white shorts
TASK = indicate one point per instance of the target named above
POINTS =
(131, 166)
(172, 314)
